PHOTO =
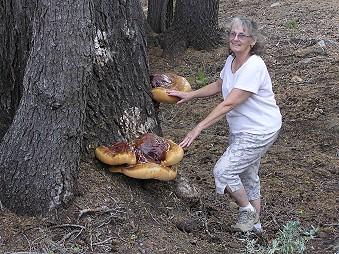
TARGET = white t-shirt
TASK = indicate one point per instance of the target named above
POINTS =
(259, 114)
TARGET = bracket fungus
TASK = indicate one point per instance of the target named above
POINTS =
(147, 170)
(117, 154)
(169, 81)
(147, 157)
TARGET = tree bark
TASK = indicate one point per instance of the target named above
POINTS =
(195, 25)
(119, 103)
(40, 152)
(86, 83)
(15, 38)
(160, 15)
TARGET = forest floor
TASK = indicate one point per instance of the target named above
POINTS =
(299, 175)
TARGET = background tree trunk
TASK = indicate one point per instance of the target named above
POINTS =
(15, 38)
(195, 25)
(160, 15)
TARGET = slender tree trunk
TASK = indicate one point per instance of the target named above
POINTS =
(42, 146)
(15, 38)
(195, 25)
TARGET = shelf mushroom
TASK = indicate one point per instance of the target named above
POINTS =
(169, 81)
(147, 170)
(147, 157)
(117, 154)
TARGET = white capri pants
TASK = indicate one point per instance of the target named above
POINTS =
(239, 165)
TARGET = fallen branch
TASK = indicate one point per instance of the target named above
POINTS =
(65, 237)
(102, 209)
(332, 225)
(104, 241)
(68, 225)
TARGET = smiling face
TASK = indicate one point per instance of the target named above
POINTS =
(240, 39)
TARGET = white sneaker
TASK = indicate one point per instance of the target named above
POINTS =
(246, 221)
(257, 228)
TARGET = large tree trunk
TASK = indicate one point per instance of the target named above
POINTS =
(15, 38)
(160, 15)
(195, 25)
(86, 76)
(119, 101)
(40, 152)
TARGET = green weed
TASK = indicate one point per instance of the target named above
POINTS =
(292, 24)
(201, 79)
(290, 240)
(76, 248)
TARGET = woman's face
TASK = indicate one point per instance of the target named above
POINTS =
(240, 40)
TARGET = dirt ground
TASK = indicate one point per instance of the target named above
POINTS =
(299, 175)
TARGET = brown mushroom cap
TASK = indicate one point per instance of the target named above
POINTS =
(174, 154)
(117, 154)
(150, 148)
(148, 170)
(147, 157)
(163, 82)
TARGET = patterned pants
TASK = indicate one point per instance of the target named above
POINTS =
(239, 165)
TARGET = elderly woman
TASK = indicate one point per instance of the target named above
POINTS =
(253, 118)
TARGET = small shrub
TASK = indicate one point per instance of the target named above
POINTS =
(76, 248)
(290, 240)
(201, 78)
(292, 24)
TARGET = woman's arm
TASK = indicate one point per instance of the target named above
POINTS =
(205, 91)
(235, 98)
(209, 90)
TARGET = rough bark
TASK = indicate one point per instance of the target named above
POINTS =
(195, 25)
(160, 15)
(86, 83)
(40, 152)
(119, 101)
(15, 38)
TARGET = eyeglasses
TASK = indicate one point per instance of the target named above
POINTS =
(241, 36)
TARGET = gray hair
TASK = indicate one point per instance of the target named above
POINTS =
(252, 29)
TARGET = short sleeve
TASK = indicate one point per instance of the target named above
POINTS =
(222, 73)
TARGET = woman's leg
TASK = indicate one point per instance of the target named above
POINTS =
(239, 196)
(257, 205)
(251, 182)
(237, 173)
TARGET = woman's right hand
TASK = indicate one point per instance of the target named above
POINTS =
(183, 96)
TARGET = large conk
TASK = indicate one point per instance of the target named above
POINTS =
(147, 170)
(160, 83)
(117, 154)
(147, 157)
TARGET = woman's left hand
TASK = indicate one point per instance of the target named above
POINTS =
(192, 135)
